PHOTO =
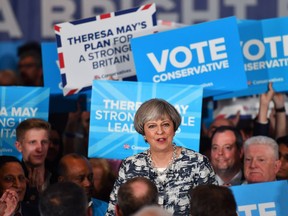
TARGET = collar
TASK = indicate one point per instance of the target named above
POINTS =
(236, 180)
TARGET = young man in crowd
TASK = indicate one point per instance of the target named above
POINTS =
(32, 140)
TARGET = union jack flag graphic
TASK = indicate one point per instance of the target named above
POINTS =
(126, 146)
(65, 31)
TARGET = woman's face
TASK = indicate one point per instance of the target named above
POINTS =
(159, 133)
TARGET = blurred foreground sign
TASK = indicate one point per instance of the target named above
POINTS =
(262, 199)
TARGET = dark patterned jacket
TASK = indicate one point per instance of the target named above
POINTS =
(188, 170)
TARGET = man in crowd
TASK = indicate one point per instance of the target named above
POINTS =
(226, 155)
(76, 168)
(217, 123)
(283, 156)
(30, 64)
(63, 199)
(32, 140)
(134, 195)
(261, 159)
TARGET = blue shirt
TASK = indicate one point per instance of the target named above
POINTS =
(99, 207)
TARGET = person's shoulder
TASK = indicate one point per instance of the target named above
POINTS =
(192, 155)
(139, 156)
(99, 207)
(190, 152)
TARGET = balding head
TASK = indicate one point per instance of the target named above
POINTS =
(135, 194)
(217, 123)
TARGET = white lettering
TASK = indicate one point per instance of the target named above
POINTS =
(199, 50)
(159, 66)
(3, 111)
(178, 50)
(121, 105)
(247, 209)
(273, 47)
(182, 109)
(191, 15)
(214, 49)
(262, 208)
(9, 23)
(216, 52)
(247, 48)
(254, 49)
(50, 16)
(240, 7)
(23, 111)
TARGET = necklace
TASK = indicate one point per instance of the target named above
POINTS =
(171, 162)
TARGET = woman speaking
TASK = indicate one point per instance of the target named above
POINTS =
(172, 168)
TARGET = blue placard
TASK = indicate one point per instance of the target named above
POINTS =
(201, 54)
(261, 199)
(8, 54)
(275, 33)
(18, 104)
(113, 106)
(52, 78)
(265, 52)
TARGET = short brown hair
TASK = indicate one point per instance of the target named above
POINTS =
(31, 123)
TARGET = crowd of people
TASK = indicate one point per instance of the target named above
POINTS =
(55, 176)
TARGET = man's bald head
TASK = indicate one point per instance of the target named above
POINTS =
(135, 194)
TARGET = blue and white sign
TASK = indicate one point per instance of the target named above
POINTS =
(18, 104)
(275, 49)
(262, 199)
(114, 104)
(265, 49)
(99, 47)
(201, 54)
